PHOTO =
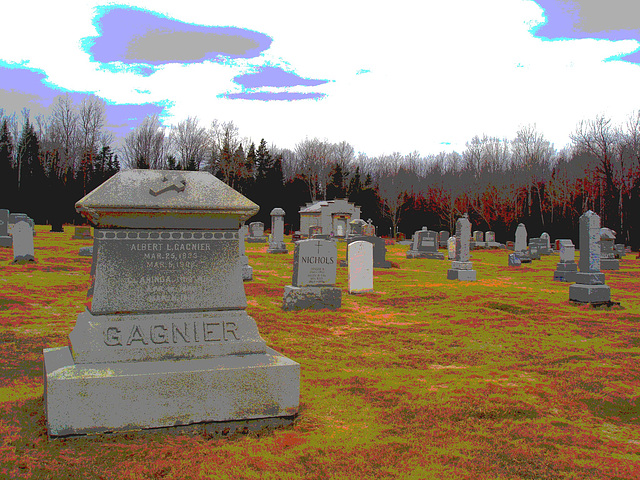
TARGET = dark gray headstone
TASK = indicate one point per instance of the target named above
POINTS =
(5, 238)
(589, 286)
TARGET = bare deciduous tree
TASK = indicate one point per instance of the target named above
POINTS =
(144, 147)
(190, 141)
(314, 159)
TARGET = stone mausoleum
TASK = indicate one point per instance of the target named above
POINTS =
(330, 215)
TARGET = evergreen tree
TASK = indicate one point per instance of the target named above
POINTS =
(172, 164)
(263, 159)
(355, 185)
(7, 172)
(31, 175)
(335, 188)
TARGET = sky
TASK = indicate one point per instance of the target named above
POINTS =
(421, 76)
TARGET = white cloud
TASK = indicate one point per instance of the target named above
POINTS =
(439, 71)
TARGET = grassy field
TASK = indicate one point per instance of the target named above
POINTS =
(502, 378)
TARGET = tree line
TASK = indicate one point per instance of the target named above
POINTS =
(48, 163)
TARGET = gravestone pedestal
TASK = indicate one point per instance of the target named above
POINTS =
(276, 240)
(589, 286)
(461, 267)
(165, 340)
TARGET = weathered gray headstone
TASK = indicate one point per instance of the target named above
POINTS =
(608, 260)
(256, 233)
(535, 245)
(355, 226)
(314, 277)
(379, 250)
(165, 339)
(520, 246)
(546, 244)
(247, 270)
(443, 237)
(276, 241)
(451, 248)
(589, 286)
(23, 242)
(619, 250)
(461, 267)
(5, 238)
(490, 240)
(85, 252)
(360, 255)
(567, 266)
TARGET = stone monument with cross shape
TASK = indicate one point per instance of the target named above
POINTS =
(461, 267)
(589, 286)
(165, 339)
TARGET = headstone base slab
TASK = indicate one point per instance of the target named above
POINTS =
(277, 248)
(313, 298)
(430, 255)
(257, 240)
(97, 398)
(22, 259)
(587, 278)
(609, 264)
(463, 275)
(589, 293)
(6, 241)
(524, 257)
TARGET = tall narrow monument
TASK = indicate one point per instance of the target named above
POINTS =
(165, 339)
(589, 286)
(461, 267)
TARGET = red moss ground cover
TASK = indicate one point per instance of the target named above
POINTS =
(502, 378)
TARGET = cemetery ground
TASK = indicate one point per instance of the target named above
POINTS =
(501, 378)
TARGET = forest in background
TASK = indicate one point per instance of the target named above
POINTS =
(48, 163)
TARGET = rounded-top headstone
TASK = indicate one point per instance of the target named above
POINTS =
(165, 199)
(277, 211)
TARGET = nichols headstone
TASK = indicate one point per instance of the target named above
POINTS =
(461, 267)
(165, 339)
(360, 255)
(314, 277)
(589, 286)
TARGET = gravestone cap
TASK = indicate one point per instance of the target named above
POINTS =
(277, 211)
(165, 199)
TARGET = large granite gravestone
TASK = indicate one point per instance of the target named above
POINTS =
(256, 233)
(589, 286)
(247, 270)
(567, 266)
(314, 277)
(165, 339)
(520, 247)
(608, 260)
(5, 239)
(379, 250)
(425, 245)
(82, 233)
(360, 259)
(23, 242)
(461, 267)
(276, 240)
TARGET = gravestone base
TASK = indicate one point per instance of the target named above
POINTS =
(494, 245)
(609, 264)
(86, 252)
(589, 293)
(313, 298)
(257, 239)
(463, 275)
(431, 255)
(22, 259)
(6, 241)
(565, 272)
(277, 247)
(524, 257)
(81, 237)
(108, 397)
(479, 245)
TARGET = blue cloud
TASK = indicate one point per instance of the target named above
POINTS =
(270, 96)
(136, 36)
(274, 77)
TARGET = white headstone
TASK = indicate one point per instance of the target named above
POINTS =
(360, 255)
(23, 242)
